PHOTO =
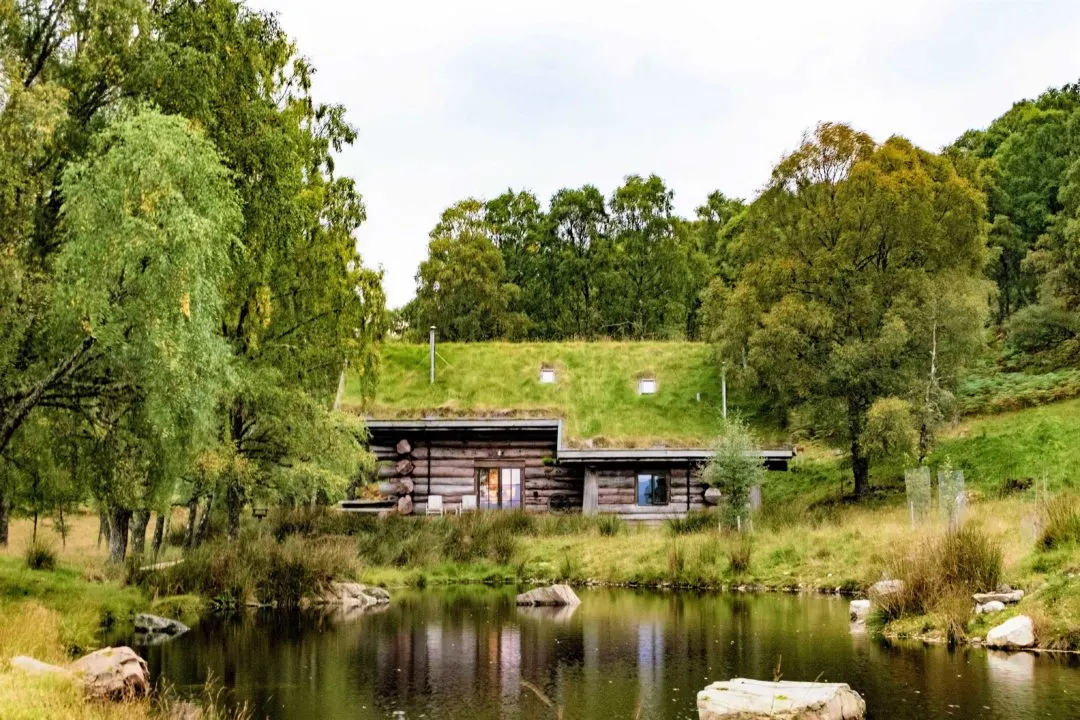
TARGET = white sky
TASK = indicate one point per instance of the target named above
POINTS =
(454, 98)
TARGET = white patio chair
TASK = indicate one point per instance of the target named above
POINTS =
(434, 505)
(468, 503)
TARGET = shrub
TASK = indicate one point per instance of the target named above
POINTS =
(734, 470)
(693, 522)
(40, 556)
(1060, 522)
(739, 552)
(942, 572)
(610, 525)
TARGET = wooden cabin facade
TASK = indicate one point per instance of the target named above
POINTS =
(521, 464)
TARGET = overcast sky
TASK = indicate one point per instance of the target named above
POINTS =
(468, 97)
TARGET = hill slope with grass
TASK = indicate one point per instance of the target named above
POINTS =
(595, 391)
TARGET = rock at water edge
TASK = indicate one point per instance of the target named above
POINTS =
(113, 673)
(884, 588)
(859, 610)
(553, 595)
(1017, 632)
(742, 699)
(350, 594)
(157, 625)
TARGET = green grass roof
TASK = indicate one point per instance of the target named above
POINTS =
(595, 393)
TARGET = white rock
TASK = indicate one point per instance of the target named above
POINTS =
(1017, 632)
(555, 595)
(859, 610)
(32, 666)
(113, 673)
(742, 699)
(991, 607)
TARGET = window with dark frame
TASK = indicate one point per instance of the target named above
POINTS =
(498, 488)
(652, 489)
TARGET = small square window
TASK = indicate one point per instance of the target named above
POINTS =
(547, 376)
(647, 386)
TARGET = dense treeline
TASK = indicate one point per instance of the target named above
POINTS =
(583, 267)
(179, 278)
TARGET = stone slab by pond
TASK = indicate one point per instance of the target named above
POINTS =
(1017, 632)
(1013, 596)
(32, 666)
(742, 699)
(553, 595)
(352, 595)
(991, 607)
(859, 610)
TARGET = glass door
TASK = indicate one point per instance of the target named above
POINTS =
(498, 488)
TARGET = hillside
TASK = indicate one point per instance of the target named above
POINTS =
(595, 391)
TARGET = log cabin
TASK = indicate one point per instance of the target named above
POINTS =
(511, 464)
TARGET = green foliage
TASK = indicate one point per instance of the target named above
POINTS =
(998, 392)
(861, 283)
(734, 469)
(585, 268)
(463, 289)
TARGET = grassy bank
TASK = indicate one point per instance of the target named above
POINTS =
(595, 390)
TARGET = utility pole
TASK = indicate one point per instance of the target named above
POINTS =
(723, 390)
(431, 344)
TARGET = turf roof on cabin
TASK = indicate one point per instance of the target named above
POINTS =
(595, 390)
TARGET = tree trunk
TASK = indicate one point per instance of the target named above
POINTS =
(141, 518)
(3, 519)
(204, 526)
(119, 519)
(64, 528)
(860, 463)
(159, 533)
(33, 536)
(192, 516)
(234, 503)
(103, 527)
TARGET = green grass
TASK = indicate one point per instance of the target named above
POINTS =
(87, 607)
(1034, 443)
(595, 392)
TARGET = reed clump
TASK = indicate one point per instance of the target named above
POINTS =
(941, 575)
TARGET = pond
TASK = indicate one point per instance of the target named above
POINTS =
(470, 653)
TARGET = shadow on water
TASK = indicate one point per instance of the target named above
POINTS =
(470, 653)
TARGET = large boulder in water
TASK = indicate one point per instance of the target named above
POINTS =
(742, 699)
(113, 673)
(154, 629)
(1017, 632)
(553, 595)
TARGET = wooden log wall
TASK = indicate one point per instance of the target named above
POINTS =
(454, 463)
(618, 493)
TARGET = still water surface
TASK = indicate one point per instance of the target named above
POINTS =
(470, 654)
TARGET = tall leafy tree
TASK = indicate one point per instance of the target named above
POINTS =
(862, 283)
(462, 286)
(575, 241)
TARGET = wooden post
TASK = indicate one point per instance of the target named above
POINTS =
(590, 495)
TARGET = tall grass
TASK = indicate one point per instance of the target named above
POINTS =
(941, 575)
(1060, 522)
(256, 568)
(739, 553)
(40, 555)
(693, 522)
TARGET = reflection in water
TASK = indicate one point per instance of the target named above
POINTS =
(470, 653)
